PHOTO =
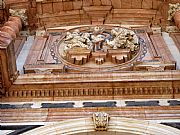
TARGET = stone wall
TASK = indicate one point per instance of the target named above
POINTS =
(57, 13)
(2, 13)
(52, 13)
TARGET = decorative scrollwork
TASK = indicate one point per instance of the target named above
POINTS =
(101, 121)
(101, 48)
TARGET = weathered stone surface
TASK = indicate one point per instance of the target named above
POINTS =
(177, 18)
(47, 8)
(111, 74)
(13, 25)
(17, 20)
(57, 7)
(5, 38)
(147, 4)
(96, 2)
(136, 3)
(126, 3)
(87, 3)
(106, 2)
(77, 5)
(116, 3)
(68, 5)
(9, 30)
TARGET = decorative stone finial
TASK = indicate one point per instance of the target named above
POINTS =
(101, 121)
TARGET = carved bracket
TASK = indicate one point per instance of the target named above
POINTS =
(101, 121)
(20, 13)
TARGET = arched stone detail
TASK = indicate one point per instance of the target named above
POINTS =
(117, 124)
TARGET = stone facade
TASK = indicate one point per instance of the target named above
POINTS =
(89, 65)
(57, 13)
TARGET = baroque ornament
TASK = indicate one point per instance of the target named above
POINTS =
(101, 121)
(96, 47)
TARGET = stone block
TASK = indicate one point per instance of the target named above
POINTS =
(116, 3)
(126, 3)
(57, 7)
(156, 4)
(136, 3)
(68, 5)
(106, 2)
(77, 4)
(87, 2)
(47, 8)
(147, 4)
(96, 2)
(32, 13)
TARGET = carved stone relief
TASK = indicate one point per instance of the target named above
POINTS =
(101, 121)
(20, 13)
(96, 46)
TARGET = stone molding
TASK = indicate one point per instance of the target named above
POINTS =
(118, 124)
(134, 76)
(149, 84)
(48, 115)
(88, 92)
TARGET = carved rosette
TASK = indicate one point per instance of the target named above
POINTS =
(101, 121)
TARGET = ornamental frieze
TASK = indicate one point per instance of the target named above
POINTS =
(88, 92)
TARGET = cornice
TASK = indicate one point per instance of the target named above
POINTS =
(99, 77)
